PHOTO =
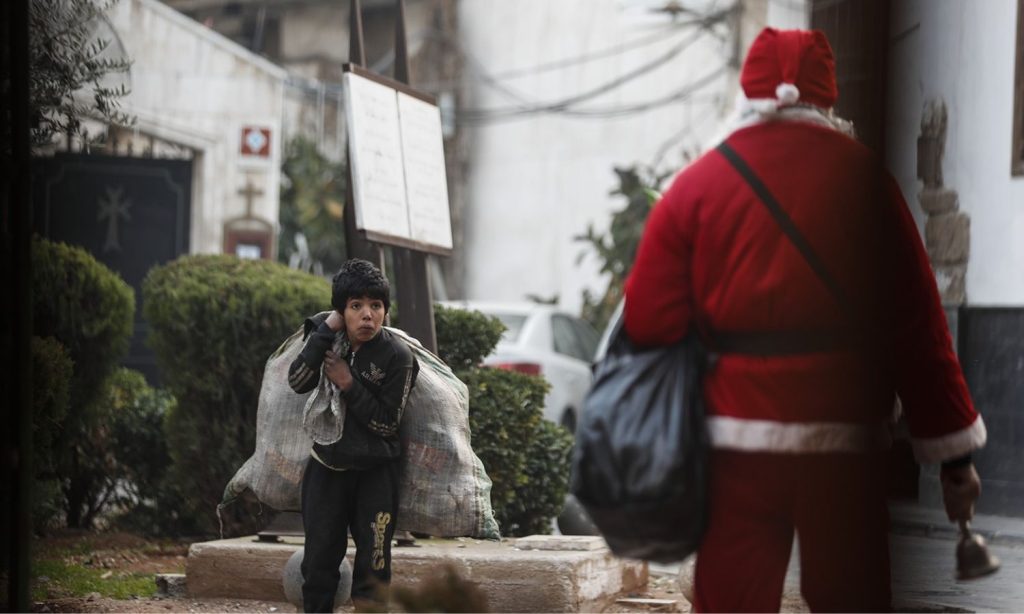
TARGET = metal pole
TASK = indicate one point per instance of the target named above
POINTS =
(401, 48)
(356, 51)
(356, 245)
(415, 303)
(17, 325)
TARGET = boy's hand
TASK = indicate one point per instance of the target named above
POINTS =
(335, 321)
(336, 370)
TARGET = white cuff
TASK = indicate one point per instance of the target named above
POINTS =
(749, 435)
(950, 446)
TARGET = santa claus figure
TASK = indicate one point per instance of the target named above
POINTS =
(810, 361)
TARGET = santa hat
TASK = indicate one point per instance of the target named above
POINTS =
(786, 67)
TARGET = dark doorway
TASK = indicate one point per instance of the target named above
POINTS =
(130, 213)
(859, 33)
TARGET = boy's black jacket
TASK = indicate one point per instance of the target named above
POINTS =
(384, 372)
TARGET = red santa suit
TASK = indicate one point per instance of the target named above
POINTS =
(795, 433)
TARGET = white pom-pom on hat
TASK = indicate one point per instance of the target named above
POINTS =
(787, 93)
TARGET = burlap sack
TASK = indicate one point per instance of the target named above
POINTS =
(444, 490)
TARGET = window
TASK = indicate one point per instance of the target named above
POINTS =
(513, 325)
(1017, 163)
(566, 341)
(588, 338)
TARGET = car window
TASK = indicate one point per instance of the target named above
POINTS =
(588, 337)
(566, 340)
(513, 325)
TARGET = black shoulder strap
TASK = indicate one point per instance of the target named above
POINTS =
(789, 228)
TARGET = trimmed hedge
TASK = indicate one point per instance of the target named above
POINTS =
(504, 411)
(526, 457)
(215, 320)
(465, 337)
(52, 370)
(89, 310)
(136, 434)
(542, 496)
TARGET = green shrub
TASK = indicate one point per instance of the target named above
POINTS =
(122, 455)
(464, 337)
(89, 310)
(526, 457)
(215, 320)
(51, 372)
(504, 411)
(140, 458)
(542, 496)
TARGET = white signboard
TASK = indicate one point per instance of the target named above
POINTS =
(398, 170)
(375, 144)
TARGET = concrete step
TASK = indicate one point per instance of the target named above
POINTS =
(544, 575)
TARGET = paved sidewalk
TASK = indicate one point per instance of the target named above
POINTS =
(923, 550)
(912, 519)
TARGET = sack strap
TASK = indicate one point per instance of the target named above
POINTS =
(789, 228)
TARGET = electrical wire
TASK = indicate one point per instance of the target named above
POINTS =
(604, 88)
(522, 103)
(631, 45)
(679, 95)
(562, 106)
(524, 107)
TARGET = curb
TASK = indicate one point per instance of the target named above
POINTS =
(926, 523)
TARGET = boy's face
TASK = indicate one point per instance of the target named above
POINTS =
(363, 318)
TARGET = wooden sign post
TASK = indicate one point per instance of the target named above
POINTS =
(397, 185)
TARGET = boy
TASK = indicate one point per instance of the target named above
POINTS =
(352, 483)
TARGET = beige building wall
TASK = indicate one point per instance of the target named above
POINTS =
(194, 87)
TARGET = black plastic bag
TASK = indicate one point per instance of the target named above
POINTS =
(640, 466)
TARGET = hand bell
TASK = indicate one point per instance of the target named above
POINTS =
(973, 560)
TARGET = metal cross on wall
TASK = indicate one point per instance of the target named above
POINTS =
(249, 192)
(112, 208)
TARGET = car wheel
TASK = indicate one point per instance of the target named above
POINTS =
(568, 421)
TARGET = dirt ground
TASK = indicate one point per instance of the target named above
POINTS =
(115, 551)
(157, 604)
(114, 555)
(660, 587)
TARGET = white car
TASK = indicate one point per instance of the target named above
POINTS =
(542, 340)
(606, 334)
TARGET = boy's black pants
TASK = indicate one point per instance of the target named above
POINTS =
(333, 502)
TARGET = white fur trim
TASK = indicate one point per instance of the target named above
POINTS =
(952, 445)
(795, 437)
(787, 93)
(756, 105)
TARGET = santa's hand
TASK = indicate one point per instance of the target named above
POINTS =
(960, 489)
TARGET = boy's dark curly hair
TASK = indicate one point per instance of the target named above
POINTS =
(358, 278)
